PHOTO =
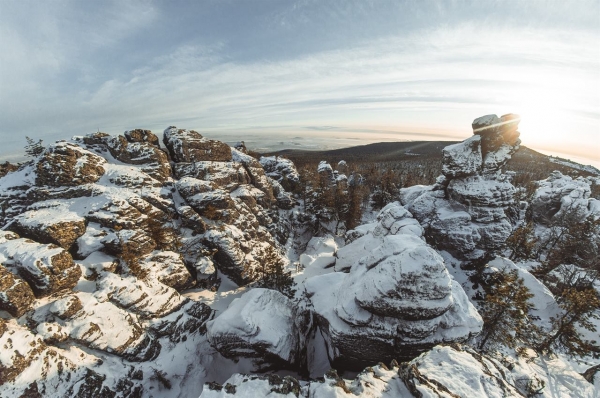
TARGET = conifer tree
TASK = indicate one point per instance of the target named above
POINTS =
(505, 310)
(270, 273)
(522, 242)
(579, 308)
(33, 149)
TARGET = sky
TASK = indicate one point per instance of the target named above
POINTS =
(275, 70)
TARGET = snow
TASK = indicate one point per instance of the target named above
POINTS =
(261, 317)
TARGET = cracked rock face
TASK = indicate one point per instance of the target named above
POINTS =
(140, 234)
(472, 209)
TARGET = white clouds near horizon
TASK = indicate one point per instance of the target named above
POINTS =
(129, 66)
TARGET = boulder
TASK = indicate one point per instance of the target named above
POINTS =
(66, 164)
(261, 324)
(281, 170)
(139, 135)
(189, 146)
(168, 268)
(560, 194)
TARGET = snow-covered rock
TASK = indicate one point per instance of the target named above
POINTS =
(472, 209)
(66, 164)
(47, 268)
(445, 371)
(560, 194)
(262, 324)
(280, 169)
(397, 300)
(51, 225)
(189, 145)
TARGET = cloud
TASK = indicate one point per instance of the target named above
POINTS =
(138, 64)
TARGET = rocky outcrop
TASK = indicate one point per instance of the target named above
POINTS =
(445, 371)
(471, 210)
(130, 150)
(189, 146)
(397, 300)
(281, 170)
(140, 234)
(261, 324)
(66, 164)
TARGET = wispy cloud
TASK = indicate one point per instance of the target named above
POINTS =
(128, 67)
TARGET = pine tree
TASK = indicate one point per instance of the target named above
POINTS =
(579, 308)
(505, 310)
(271, 274)
(522, 242)
(33, 149)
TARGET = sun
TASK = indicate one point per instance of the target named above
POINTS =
(545, 120)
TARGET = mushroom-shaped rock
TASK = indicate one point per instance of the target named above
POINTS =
(189, 146)
(260, 324)
(472, 209)
(66, 164)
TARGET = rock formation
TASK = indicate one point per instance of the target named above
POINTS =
(471, 210)
(397, 300)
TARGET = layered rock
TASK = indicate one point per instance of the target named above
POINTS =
(472, 209)
(51, 225)
(397, 300)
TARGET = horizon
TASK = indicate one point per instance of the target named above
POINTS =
(351, 69)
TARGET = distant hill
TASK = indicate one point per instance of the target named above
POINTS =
(529, 164)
